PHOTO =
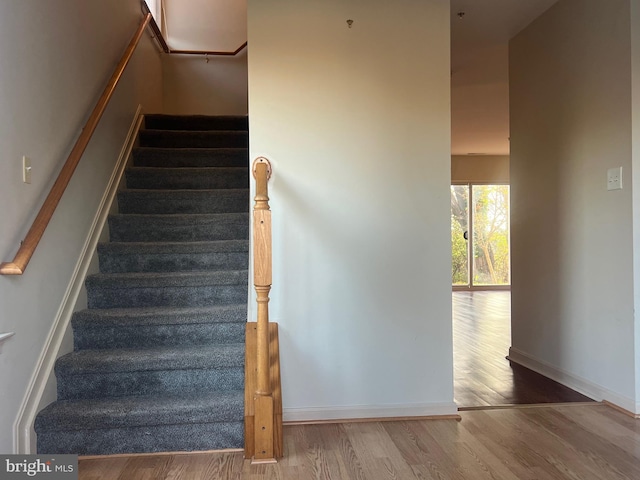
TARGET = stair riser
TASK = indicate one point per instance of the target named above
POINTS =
(191, 296)
(147, 336)
(183, 201)
(196, 122)
(147, 439)
(175, 158)
(156, 382)
(172, 262)
(160, 180)
(183, 139)
(123, 229)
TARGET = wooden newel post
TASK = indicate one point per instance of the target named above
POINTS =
(263, 398)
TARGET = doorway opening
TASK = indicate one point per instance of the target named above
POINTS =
(480, 272)
(480, 236)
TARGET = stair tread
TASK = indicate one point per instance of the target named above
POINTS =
(190, 170)
(160, 315)
(187, 177)
(223, 176)
(188, 218)
(173, 191)
(124, 412)
(197, 122)
(197, 116)
(192, 116)
(184, 201)
(220, 246)
(117, 360)
(139, 227)
(179, 138)
(176, 132)
(168, 157)
(191, 150)
(164, 279)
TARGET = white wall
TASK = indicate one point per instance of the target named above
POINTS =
(357, 125)
(479, 169)
(55, 58)
(192, 85)
(572, 240)
(480, 100)
(635, 181)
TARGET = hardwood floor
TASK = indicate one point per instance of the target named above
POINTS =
(572, 441)
(481, 341)
(585, 442)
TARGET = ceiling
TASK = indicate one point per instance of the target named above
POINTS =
(189, 24)
(480, 73)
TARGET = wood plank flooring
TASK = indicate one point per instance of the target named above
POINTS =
(582, 442)
(481, 341)
(571, 441)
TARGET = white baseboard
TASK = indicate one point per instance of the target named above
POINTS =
(320, 414)
(577, 383)
(23, 433)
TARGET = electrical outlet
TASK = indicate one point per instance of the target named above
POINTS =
(26, 169)
(614, 178)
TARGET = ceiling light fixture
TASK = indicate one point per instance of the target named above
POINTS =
(461, 15)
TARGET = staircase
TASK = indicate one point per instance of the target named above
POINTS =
(158, 360)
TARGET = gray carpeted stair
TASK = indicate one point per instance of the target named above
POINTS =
(187, 178)
(197, 122)
(116, 257)
(178, 228)
(190, 157)
(150, 371)
(158, 360)
(194, 139)
(149, 201)
(158, 326)
(142, 424)
(172, 289)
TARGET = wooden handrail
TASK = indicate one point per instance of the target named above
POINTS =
(203, 52)
(157, 34)
(28, 246)
(263, 398)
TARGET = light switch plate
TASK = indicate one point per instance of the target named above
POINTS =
(614, 178)
(26, 169)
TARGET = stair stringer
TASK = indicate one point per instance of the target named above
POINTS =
(42, 385)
